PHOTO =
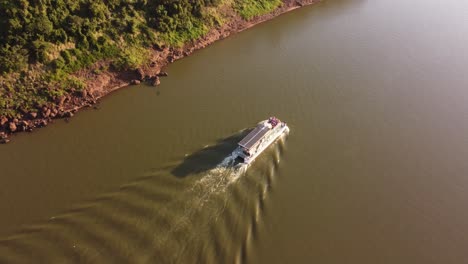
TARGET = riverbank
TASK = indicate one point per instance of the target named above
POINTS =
(102, 82)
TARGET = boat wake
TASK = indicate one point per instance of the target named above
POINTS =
(213, 216)
(205, 199)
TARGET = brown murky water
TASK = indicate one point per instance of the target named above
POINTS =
(374, 170)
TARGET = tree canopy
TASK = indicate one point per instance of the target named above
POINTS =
(42, 42)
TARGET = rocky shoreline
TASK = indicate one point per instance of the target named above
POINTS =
(100, 83)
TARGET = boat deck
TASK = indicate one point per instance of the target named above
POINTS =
(254, 136)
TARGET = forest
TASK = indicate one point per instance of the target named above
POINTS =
(43, 42)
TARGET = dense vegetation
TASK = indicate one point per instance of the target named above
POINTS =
(43, 41)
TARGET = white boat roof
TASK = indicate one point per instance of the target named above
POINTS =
(254, 136)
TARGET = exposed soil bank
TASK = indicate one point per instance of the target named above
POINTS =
(100, 84)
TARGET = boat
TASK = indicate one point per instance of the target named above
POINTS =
(265, 133)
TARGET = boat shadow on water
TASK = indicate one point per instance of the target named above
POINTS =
(160, 219)
(209, 157)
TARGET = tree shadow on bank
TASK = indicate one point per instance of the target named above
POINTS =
(209, 157)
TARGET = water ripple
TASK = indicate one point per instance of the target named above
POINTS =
(212, 217)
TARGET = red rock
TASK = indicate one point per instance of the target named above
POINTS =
(60, 100)
(33, 115)
(42, 123)
(155, 81)
(23, 125)
(3, 121)
(12, 127)
(46, 113)
(84, 93)
(140, 74)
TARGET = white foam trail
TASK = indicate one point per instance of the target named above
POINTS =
(210, 186)
(213, 182)
(218, 178)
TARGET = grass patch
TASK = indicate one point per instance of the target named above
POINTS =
(131, 57)
(191, 31)
(249, 9)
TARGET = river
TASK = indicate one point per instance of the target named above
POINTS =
(374, 169)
